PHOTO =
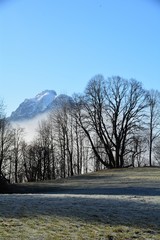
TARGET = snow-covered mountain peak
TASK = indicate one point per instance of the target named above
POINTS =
(41, 103)
(33, 106)
(47, 94)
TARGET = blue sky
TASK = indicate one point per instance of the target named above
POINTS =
(61, 44)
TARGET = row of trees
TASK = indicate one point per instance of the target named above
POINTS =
(115, 123)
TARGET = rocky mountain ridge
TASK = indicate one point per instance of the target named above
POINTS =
(41, 103)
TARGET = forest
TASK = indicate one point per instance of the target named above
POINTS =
(114, 123)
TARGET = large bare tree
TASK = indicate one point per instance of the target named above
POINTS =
(113, 109)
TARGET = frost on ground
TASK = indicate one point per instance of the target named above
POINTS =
(87, 214)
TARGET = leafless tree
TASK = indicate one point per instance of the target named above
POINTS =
(18, 134)
(156, 149)
(6, 138)
(62, 124)
(112, 109)
(154, 120)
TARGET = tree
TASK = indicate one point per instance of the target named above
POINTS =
(79, 139)
(88, 112)
(157, 151)
(6, 140)
(127, 104)
(153, 98)
(62, 123)
(46, 159)
(138, 149)
(113, 110)
(18, 134)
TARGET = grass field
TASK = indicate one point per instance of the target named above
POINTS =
(111, 205)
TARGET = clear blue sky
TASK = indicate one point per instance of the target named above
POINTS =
(61, 44)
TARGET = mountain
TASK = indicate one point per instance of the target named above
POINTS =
(60, 101)
(41, 103)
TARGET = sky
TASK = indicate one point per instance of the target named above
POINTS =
(61, 44)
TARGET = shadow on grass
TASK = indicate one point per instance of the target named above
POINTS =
(124, 190)
(102, 200)
(130, 211)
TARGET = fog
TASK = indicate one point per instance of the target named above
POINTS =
(30, 126)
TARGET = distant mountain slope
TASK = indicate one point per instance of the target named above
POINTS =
(41, 103)
(59, 101)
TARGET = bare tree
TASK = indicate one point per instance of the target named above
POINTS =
(88, 112)
(127, 104)
(62, 124)
(157, 151)
(18, 134)
(79, 142)
(154, 120)
(113, 109)
(138, 149)
(6, 138)
(44, 142)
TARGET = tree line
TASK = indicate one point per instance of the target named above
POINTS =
(114, 123)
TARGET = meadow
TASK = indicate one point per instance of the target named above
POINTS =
(108, 205)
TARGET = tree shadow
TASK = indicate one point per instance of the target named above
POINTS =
(127, 211)
(87, 190)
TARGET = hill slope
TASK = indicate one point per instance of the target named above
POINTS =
(134, 181)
